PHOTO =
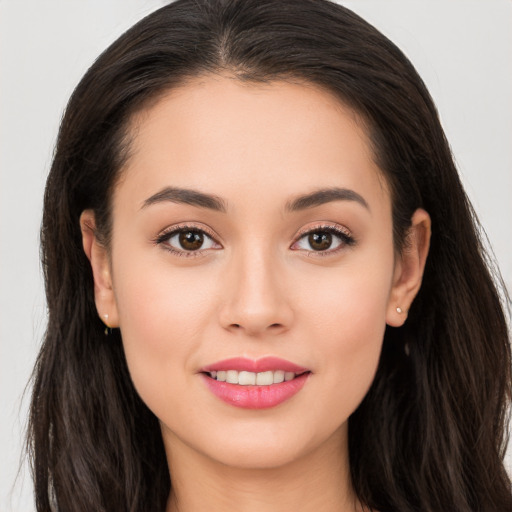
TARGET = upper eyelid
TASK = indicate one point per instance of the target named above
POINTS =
(340, 231)
(164, 237)
(323, 226)
(187, 225)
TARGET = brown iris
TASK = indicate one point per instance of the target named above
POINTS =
(191, 240)
(320, 240)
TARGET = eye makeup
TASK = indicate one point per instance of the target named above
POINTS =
(189, 240)
(187, 234)
(321, 235)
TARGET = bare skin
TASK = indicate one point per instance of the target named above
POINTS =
(255, 284)
(319, 481)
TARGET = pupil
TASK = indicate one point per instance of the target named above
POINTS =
(191, 240)
(320, 241)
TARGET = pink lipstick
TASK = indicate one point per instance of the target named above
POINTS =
(251, 384)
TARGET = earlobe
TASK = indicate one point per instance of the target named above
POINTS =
(98, 257)
(409, 269)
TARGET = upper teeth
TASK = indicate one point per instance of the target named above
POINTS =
(252, 379)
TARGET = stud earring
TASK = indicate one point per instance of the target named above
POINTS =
(108, 330)
(399, 310)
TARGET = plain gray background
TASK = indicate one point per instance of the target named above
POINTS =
(462, 49)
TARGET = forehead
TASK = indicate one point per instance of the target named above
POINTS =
(224, 136)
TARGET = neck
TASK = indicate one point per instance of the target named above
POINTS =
(317, 481)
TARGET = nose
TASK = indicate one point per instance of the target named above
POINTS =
(256, 300)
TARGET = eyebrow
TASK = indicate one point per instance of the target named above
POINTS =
(323, 196)
(187, 196)
(216, 203)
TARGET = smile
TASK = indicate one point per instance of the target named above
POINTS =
(259, 384)
(245, 378)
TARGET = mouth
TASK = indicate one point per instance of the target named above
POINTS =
(246, 378)
(251, 384)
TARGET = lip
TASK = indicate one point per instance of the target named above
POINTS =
(264, 364)
(255, 397)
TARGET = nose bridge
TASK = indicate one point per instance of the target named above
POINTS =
(257, 300)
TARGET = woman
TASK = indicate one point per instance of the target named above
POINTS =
(265, 283)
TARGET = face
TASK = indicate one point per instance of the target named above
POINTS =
(252, 240)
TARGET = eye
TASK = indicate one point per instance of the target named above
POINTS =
(323, 239)
(187, 241)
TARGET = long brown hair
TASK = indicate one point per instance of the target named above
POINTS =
(430, 435)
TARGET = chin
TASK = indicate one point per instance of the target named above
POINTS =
(261, 444)
(258, 456)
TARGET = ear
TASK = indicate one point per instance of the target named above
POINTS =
(409, 268)
(100, 264)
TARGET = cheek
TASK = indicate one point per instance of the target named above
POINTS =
(157, 300)
(162, 313)
(349, 319)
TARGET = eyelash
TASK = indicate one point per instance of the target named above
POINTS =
(166, 235)
(347, 239)
(344, 235)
